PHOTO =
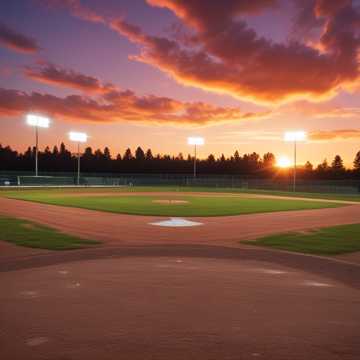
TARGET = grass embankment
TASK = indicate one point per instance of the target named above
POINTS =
(334, 240)
(148, 204)
(26, 233)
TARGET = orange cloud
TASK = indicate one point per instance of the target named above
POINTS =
(16, 41)
(228, 56)
(344, 134)
(55, 75)
(222, 53)
(214, 16)
(119, 106)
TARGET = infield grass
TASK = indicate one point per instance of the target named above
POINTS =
(26, 233)
(327, 241)
(147, 204)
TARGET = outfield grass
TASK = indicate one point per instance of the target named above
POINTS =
(327, 241)
(26, 233)
(185, 189)
(144, 204)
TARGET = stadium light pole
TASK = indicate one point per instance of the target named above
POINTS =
(79, 138)
(37, 121)
(295, 137)
(196, 141)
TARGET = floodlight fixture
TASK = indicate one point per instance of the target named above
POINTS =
(195, 141)
(295, 136)
(78, 137)
(37, 122)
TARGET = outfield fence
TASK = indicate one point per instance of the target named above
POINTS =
(95, 179)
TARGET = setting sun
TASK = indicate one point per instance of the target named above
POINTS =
(283, 162)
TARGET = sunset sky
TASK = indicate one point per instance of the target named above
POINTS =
(153, 72)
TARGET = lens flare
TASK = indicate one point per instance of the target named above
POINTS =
(283, 162)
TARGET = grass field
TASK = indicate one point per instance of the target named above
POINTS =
(327, 241)
(26, 233)
(185, 189)
(148, 204)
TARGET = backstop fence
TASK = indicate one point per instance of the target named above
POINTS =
(178, 180)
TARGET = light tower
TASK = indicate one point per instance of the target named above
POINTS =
(295, 137)
(37, 121)
(196, 141)
(79, 138)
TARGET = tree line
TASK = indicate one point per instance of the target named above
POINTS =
(60, 159)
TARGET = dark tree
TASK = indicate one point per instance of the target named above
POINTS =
(357, 162)
(149, 155)
(337, 164)
(139, 154)
(127, 155)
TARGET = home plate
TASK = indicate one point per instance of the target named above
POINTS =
(176, 222)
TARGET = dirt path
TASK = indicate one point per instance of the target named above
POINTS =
(176, 308)
(117, 229)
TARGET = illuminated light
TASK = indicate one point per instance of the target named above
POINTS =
(283, 162)
(196, 141)
(78, 136)
(295, 136)
(38, 121)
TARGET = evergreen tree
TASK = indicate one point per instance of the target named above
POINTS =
(337, 164)
(308, 166)
(211, 159)
(149, 155)
(139, 154)
(107, 155)
(357, 162)
(127, 155)
(236, 156)
(324, 166)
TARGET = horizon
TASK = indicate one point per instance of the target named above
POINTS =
(282, 161)
(147, 71)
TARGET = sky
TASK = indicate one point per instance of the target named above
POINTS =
(153, 72)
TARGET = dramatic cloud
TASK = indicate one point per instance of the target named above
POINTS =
(55, 75)
(111, 103)
(221, 53)
(118, 106)
(16, 41)
(346, 134)
(228, 56)
(204, 14)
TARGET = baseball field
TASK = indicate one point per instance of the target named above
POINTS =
(196, 271)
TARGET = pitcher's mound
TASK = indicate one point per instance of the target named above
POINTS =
(170, 202)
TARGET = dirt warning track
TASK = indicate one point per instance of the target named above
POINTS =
(176, 308)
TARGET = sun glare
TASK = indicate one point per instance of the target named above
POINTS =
(283, 162)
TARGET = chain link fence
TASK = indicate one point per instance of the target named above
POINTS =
(68, 179)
